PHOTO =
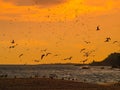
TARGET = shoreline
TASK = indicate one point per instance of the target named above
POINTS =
(51, 84)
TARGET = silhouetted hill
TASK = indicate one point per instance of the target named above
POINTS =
(112, 60)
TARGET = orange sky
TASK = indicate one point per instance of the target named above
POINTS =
(61, 27)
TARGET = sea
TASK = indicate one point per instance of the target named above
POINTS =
(87, 74)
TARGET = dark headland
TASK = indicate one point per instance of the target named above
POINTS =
(112, 60)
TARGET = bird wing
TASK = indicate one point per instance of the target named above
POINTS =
(42, 56)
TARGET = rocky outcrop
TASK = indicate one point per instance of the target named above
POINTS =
(112, 60)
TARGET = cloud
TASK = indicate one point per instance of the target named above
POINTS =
(35, 2)
(96, 3)
(44, 10)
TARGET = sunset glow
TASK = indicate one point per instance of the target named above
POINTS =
(62, 27)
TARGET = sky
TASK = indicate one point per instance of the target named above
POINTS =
(63, 28)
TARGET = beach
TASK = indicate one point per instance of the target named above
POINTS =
(93, 74)
(50, 84)
(58, 77)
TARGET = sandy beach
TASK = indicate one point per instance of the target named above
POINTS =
(50, 84)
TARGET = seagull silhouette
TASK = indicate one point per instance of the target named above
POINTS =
(82, 50)
(13, 41)
(44, 50)
(87, 42)
(42, 56)
(86, 54)
(20, 55)
(98, 28)
(115, 42)
(48, 54)
(36, 61)
(13, 46)
(68, 58)
(107, 39)
(56, 55)
(84, 60)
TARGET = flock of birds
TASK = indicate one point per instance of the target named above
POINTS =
(86, 53)
(46, 54)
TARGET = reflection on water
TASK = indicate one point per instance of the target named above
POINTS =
(94, 74)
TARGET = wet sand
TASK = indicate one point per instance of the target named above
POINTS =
(50, 84)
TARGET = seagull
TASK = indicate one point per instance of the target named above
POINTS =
(12, 47)
(48, 54)
(68, 58)
(42, 56)
(82, 50)
(20, 55)
(86, 54)
(36, 61)
(87, 42)
(56, 55)
(107, 39)
(84, 60)
(115, 42)
(44, 50)
(48, 16)
(98, 28)
(13, 42)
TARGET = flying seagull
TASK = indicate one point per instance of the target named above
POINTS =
(56, 55)
(20, 55)
(36, 61)
(42, 56)
(82, 50)
(44, 50)
(48, 54)
(86, 54)
(87, 42)
(68, 58)
(115, 42)
(84, 60)
(98, 28)
(13, 46)
(13, 41)
(107, 39)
